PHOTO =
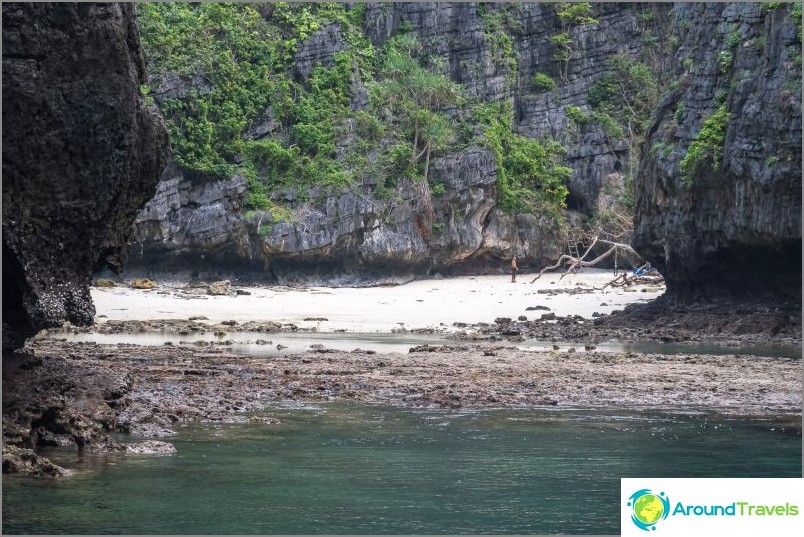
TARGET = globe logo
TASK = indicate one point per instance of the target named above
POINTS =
(648, 508)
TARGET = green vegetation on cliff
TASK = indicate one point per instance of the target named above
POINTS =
(706, 151)
(232, 93)
(232, 62)
(415, 95)
(529, 171)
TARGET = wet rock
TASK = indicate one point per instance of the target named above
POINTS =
(537, 308)
(150, 430)
(102, 282)
(25, 461)
(49, 438)
(150, 447)
(437, 348)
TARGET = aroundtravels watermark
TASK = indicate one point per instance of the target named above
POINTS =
(689, 506)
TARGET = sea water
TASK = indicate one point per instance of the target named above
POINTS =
(355, 468)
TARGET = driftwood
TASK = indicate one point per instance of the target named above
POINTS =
(576, 262)
(614, 232)
(626, 280)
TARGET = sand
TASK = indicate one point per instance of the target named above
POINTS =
(416, 305)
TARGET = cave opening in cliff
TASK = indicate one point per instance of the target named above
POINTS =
(574, 203)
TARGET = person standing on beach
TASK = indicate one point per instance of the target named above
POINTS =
(514, 269)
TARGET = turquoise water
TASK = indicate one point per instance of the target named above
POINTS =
(346, 468)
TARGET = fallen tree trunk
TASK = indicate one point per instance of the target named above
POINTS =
(575, 262)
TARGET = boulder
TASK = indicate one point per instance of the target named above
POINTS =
(149, 447)
(142, 283)
(25, 461)
(223, 287)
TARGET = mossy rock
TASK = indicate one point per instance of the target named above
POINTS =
(101, 282)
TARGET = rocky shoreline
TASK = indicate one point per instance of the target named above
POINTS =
(76, 395)
(86, 391)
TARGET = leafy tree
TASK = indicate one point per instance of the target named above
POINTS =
(625, 98)
(417, 95)
(571, 15)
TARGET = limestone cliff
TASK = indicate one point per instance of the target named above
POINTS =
(734, 209)
(727, 221)
(81, 154)
(494, 51)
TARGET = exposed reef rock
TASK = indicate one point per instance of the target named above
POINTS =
(25, 461)
(81, 154)
(733, 227)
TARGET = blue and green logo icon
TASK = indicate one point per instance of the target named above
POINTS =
(648, 508)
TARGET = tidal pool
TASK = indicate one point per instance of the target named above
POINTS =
(349, 468)
(294, 343)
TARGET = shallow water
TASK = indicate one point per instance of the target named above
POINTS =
(348, 468)
(295, 343)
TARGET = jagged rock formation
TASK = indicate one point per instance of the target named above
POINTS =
(734, 226)
(199, 222)
(352, 233)
(81, 154)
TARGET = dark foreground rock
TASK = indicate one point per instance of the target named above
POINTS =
(729, 321)
(81, 155)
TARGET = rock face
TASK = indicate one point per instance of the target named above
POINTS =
(734, 227)
(728, 223)
(81, 154)
(199, 223)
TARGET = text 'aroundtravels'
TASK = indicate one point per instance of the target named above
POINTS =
(736, 509)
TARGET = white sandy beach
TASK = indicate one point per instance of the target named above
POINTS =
(420, 304)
